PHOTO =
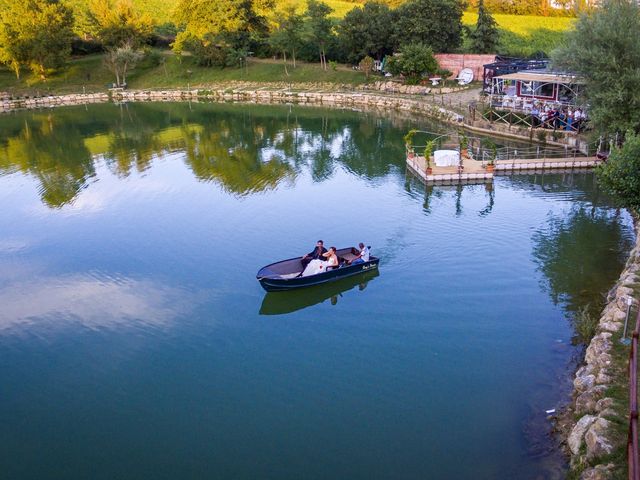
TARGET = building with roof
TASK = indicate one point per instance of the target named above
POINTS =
(521, 90)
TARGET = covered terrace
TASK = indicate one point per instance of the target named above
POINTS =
(521, 91)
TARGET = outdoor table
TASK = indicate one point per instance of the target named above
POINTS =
(446, 158)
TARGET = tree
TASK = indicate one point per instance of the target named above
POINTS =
(366, 65)
(122, 59)
(320, 27)
(367, 31)
(278, 42)
(620, 175)
(287, 35)
(413, 61)
(116, 23)
(35, 33)
(436, 23)
(231, 24)
(607, 57)
(485, 37)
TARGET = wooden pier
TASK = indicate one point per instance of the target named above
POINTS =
(474, 171)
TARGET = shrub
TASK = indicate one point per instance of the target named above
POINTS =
(413, 61)
(585, 324)
(620, 175)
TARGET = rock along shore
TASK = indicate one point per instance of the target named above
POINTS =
(378, 96)
(592, 436)
(341, 99)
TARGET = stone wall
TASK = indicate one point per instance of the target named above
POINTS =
(420, 102)
(390, 86)
(340, 99)
(591, 436)
(8, 103)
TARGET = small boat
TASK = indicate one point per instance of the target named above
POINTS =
(285, 275)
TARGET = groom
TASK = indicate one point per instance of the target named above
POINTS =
(316, 254)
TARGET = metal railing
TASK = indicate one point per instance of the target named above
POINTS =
(632, 438)
(526, 104)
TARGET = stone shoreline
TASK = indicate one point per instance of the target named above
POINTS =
(240, 95)
(590, 436)
(403, 99)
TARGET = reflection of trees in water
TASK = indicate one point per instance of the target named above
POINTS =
(54, 153)
(132, 144)
(583, 188)
(581, 254)
(245, 149)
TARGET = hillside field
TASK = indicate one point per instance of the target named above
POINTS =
(162, 10)
(521, 34)
(525, 34)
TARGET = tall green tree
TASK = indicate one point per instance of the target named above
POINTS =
(228, 23)
(436, 23)
(287, 35)
(367, 31)
(35, 33)
(606, 55)
(320, 27)
(486, 37)
(116, 23)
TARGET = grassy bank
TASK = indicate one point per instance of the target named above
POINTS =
(89, 74)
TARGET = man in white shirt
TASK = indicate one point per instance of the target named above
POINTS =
(362, 256)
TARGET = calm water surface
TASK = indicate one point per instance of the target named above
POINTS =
(135, 341)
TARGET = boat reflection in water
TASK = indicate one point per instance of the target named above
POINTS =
(280, 303)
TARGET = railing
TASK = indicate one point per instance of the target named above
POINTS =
(536, 153)
(525, 118)
(526, 104)
(632, 438)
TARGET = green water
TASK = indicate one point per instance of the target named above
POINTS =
(135, 341)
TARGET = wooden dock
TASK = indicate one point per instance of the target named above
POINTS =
(474, 171)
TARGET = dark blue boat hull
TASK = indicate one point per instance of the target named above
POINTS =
(276, 284)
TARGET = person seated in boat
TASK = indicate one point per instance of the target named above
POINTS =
(316, 254)
(361, 255)
(332, 258)
(320, 266)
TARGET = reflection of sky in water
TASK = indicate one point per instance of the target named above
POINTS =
(93, 303)
(131, 333)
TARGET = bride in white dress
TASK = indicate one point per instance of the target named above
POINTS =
(320, 266)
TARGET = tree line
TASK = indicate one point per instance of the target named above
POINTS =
(40, 35)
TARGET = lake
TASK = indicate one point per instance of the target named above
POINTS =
(135, 341)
